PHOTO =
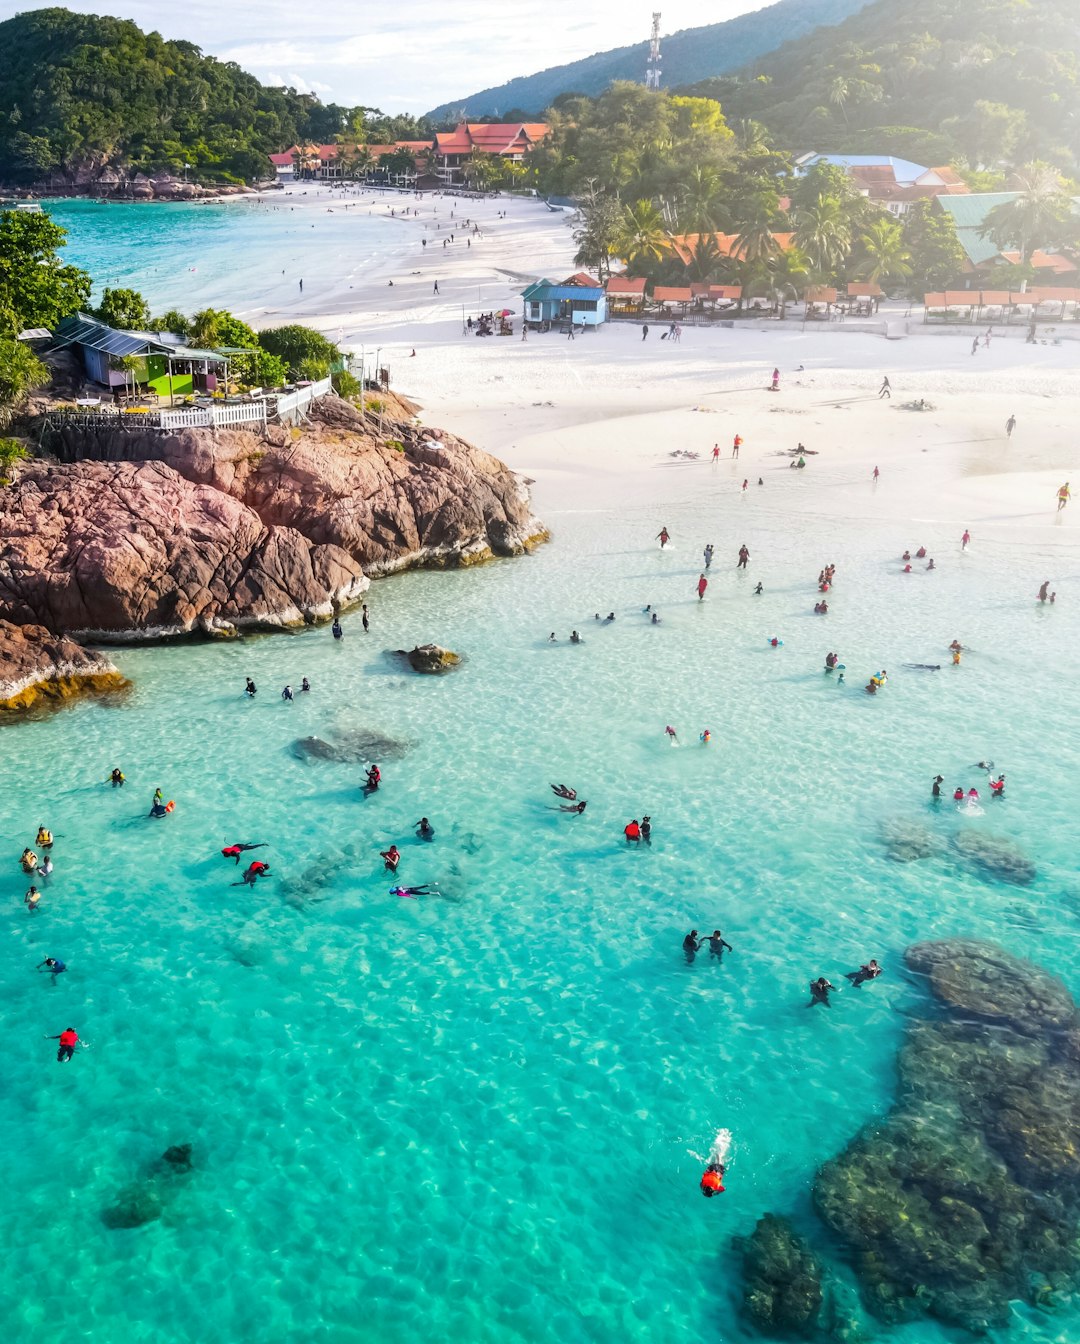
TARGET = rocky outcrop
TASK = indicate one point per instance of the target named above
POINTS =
(123, 550)
(143, 533)
(431, 659)
(352, 747)
(997, 857)
(967, 1196)
(36, 666)
(782, 1293)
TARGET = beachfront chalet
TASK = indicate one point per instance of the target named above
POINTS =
(511, 142)
(969, 214)
(139, 360)
(626, 294)
(580, 300)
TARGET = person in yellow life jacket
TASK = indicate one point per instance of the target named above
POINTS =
(712, 1180)
(44, 838)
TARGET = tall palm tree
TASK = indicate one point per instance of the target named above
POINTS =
(641, 237)
(839, 91)
(823, 233)
(751, 137)
(205, 329)
(699, 201)
(705, 260)
(787, 273)
(885, 258)
(1038, 216)
(755, 219)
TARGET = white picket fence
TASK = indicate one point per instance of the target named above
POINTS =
(292, 402)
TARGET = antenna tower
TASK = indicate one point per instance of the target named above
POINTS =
(652, 70)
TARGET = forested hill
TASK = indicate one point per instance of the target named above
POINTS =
(995, 81)
(695, 53)
(78, 90)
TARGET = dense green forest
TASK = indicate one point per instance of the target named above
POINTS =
(694, 53)
(987, 82)
(77, 91)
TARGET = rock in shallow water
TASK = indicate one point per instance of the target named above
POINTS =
(907, 841)
(431, 659)
(352, 748)
(36, 666)
(996, 856)
(782, 1289)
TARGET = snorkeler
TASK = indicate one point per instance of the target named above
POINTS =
(234, 851)
(646, 830)
(712, 1180)
(391, 858)
(997, 787)
(717, 944)
(870, 971)
(561, 791)
(252, 873)
(69, 1039)
(161, 809)
(424, 829)
(28, 860)
(44, 838)
(425, 890)
(820, 990)
(117, 779)
(576, 808)
(374, 779)
(53, 965)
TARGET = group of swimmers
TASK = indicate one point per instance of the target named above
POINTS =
(822, 987)
(920, 554)
(997, 786)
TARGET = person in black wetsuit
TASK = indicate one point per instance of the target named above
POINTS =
(819, 992)
(690, 946)
(870, 971)
(424, 829)
(717, 944)
(935, 789)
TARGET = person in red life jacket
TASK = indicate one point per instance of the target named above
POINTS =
(958, 796)
(253, 872)
(391, 857)
(69, 1039)
(374, 779)
(234, 851)
(997, 787)
(712, 1180)
(632, 833)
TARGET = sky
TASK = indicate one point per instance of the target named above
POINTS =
(406, 55)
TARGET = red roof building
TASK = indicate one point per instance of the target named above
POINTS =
(511, 141)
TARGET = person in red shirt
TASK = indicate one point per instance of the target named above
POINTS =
(69, 1039)
(712, 1180)
(702, 584)
(253, 872)
(736, 445)
(632, 833)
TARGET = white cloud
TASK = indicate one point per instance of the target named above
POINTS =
(413, 54)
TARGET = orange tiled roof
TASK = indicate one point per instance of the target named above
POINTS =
(626, 285)
(683, 244)
(672, 294)
(490, 139)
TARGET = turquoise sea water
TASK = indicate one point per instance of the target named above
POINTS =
(188, 254)
(479, 1117)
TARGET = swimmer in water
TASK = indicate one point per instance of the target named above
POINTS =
(671, 735)
(712, 1180)
(424, 829)
(632, 831)
(53, 965)
(820, 989)
(30, 900)
(305, 685)
(958, 796)
(374, 779)
(552, 639)
(576, 808)
(690, 946)
(117, 779)
(391, 858)
(234, 851)
(252, 873)
(575, 638)
(935, 788)
(758, 590)
(336, 629)
(655, 618)
(29, 860)
(158, 810)
(717, 944)
(561, 791)
(425, 890)
(250, 689)
(286, 693)
(45, 868)
(973, 795)
(44, 838)
(646, 830)
(997, 787)
(870, 971)
(705, 738)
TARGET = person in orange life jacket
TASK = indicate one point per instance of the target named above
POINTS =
(234, 851)
(253, 872)
(712, 1180)
(997, 787)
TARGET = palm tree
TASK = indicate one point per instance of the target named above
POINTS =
(481, 170)
(839, 90)
(204, 330)
(823, 233)
(1038, 216)
(755, 218)
(699, 201)
(885, 258)
(786, 275)
(641, 237)
(705, 260)
(751, 137)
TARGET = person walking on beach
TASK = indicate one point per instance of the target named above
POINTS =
(736, 445)
(663, 537)
(436, 289)
(876, 473)
(965, 540)
(716, 452)
(1063, 496)
(975, 346)
(744, 557)
(644, 330)
(1010, 425)
(885, 390)
(708, 555)
(702, 584)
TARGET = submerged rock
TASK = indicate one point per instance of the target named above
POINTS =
(907, 841)
(966, 1197)
(37, 666)
(137, 1204)
(982, 980)
(996, 856)
(352, 748)
(178, 1156)
(432, 659)
(782, 1291)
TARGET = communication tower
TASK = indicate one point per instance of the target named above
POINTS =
(652, 70)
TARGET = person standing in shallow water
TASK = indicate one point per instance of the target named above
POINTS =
(663, 537)
(702, 584)
(820, 989)
(744, 557)
(690, 946)
(364, 616)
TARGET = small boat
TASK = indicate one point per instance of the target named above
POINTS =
(29, 208)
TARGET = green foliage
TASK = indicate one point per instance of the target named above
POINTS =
(173, 321)
(76, 88)
(998, 81)
(20, 372)
(937, 259)
(596, 228)
(346, 385)
(1040, 216)
(124, 308)
(883, 254)
(306, 353)
(35, 289)
(11, 451)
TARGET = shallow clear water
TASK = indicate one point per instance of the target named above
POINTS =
(479, 1117)
(188, 254)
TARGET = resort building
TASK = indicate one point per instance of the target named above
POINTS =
(139, 360)
(892, 183)
(969, 214)
(580, 300)
(452, 149)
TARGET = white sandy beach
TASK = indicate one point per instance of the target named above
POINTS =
(606, 410)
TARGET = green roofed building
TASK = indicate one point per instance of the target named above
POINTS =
(969, 214)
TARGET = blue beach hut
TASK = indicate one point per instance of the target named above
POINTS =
(580, 300)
